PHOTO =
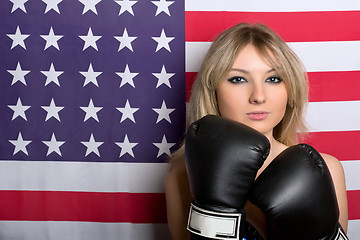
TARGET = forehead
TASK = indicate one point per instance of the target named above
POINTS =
(251, 58)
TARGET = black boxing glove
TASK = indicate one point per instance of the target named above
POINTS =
(222, 159)
(297, 195)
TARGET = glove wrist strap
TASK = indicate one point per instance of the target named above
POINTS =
(211, 224)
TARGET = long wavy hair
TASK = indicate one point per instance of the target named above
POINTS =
(218, 62)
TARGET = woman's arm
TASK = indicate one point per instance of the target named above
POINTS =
(338, 176)
(178, 199)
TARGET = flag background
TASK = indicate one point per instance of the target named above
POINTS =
(71, 187)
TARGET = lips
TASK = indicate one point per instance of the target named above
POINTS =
(258, 115)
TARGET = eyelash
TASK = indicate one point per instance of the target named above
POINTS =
(239, 80)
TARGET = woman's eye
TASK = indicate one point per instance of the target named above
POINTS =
(237, 79)
(274, 79)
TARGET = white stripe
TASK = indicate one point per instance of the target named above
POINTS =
(86, 176)
(271, 6)
(352, 170)
(354, 229)
(316, 56)
(333, 116)
(27, 230)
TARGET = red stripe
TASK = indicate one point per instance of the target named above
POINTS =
(341, 145)
(353, 204)
(82, 206)
(324, 86)
(334, 86)
(299, 27)
(99, 207)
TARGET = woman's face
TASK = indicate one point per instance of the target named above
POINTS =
(252, 92)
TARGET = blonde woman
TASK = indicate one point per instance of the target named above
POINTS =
(251, 76)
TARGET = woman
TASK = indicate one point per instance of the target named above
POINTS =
(249, 75)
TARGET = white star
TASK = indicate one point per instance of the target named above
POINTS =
(20, 144)
(18, 4)
(90, 40)
(125, 41)
(90, 76)
(164, 112)
(52, 4)
(18, 38)
(91, 111)
(163, 41)
(52, 111)
(127, 77)
(51, 39)
(126, 147)
(18, 74)
(126, 5)
(90, 5)
(52, 75)
(127, 112)
(19, 110)
(164, 147)
(92, 146)
(162, 6)
(163, 77)
(53, 145)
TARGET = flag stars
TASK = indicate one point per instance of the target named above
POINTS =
(125, 41)
(51, 39)
(127, 77)
(52, 5)
(126, 147)
(18, 74)
(18, 4)
(53, 145)
(90, 40)
(52, 111)
(163, 41)
(20, 144)
(92, 146)
(90, 76)
(18, 38)
(162, 6)
(89, 5)
(126, 6)
(163, 112)
(91, 111)
(164, 147)
(19, 110)
(163, 77)
(127, 112)
(52, 75)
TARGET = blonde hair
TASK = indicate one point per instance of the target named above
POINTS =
(218, 62)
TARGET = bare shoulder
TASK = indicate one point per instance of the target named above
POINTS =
(337, 173)
(176, 178)
(335, 167)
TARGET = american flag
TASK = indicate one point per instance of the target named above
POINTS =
(92, 104)
(93, 101)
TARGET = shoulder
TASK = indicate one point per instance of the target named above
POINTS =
(176, 176)
(334, 165)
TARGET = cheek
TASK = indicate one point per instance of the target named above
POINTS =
(229, 102)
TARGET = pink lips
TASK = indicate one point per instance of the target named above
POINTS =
(258, 115)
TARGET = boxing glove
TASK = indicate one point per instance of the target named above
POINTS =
(222, 158)
(297, 195)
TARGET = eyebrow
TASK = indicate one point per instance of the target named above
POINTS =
(246, 72)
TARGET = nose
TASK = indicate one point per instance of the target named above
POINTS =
(257, 94)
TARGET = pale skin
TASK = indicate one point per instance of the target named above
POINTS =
(252, 94)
